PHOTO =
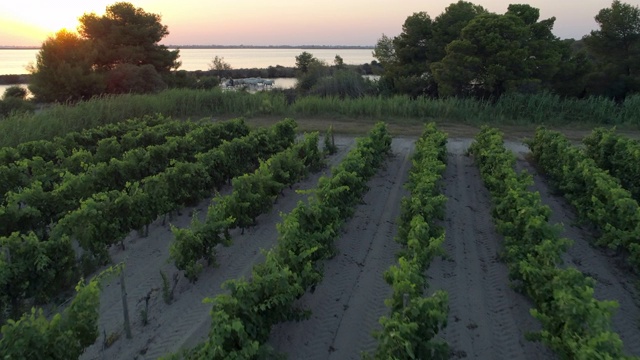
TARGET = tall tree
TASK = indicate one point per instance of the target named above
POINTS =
(63, 70)
(499, 53)
(128, 35)
(448, 25)
(616, 49)
(304, 61)
(574, 67)
(116, 53)
(407, 58)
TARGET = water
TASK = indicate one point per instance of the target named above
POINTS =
(15, 61)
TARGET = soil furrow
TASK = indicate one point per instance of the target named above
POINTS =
(186, 321)
(366, 302)
(613, 280)
(347, 303)
(487, 319)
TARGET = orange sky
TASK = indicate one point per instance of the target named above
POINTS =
(274, 22)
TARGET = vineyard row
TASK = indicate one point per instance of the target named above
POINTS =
(574, 324)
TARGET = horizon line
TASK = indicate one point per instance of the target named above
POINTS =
(240, 46)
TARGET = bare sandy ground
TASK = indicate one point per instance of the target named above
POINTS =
(186, 321)
(348, 302)
(487, 320)
(614, 281)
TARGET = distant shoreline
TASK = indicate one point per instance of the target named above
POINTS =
(311, 47)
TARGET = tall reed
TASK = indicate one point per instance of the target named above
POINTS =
(547, 109)
(178, 103)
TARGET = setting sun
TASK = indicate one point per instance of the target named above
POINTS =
(41, 19)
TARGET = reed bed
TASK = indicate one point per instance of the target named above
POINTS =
(513, 109)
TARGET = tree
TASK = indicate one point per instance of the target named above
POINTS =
(72, 67)
(14, 100)
(304, 61)
(16, 92)
(130, 35)
(219, 66)
(574, 66)
(448, 26)
(63, 70)
(338, 62)
(407, 58)
(616, 49)
(309, 71)
(404, 57)
(129, 78)
(385, 52)
(500, 53)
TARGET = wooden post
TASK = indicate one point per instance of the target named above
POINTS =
(125, 307)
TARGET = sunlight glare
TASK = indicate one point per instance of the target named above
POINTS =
(43, 18)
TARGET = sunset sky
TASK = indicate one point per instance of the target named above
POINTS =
(274, 22)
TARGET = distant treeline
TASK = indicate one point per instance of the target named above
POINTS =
(279, 71)
(14, 79)
(304, 47)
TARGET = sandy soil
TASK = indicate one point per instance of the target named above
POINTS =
(348, 302)
(614, 281)
(487, 318)
(186, 321)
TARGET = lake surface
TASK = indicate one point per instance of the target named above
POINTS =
(15, 61)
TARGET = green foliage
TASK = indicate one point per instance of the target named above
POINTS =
(338, 62)
(510, 52)
(134, 79)
(617, 154)
(30, 268)
(574, 323)
(15, 91)
(36, 265)
(63, 70)
(410, 331)
(199, 241)
(65, 336)
(126, 34)
(304, 61)
(242, 320)
(219, 66)
(616, 48)
(114, 53)
(512, 108)
(407, 58)
(310, 74)
(485, 63)
(13, 105)
(330, 147)
(597, 196)
(252, 194)
(342, 84)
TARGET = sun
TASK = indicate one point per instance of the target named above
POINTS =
(43, 18)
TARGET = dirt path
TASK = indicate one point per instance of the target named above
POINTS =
(613, 281)
(348, 302)
(186, 321)
(487, 319)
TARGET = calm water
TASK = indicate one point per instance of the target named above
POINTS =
(15, 61)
